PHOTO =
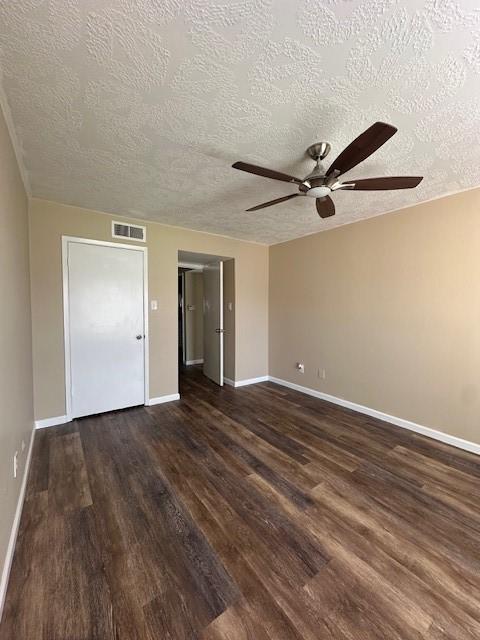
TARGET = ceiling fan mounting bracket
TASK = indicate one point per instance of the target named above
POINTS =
(319, 150)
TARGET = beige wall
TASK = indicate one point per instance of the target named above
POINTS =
(49, 221)
(390, 307)
(229, 318)
(193, 315)
(16, 393)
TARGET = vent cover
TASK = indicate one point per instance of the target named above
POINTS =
(129, 231)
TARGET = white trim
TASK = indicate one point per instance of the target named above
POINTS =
(184, 328)
(51, 422)
(66, 320)
(222, 341)
(162, 399)
(17, 149)
(7, 565)
(243, 383)
(191, 265)
(66, 330)
(189, 362)
(146, 339)
(247, 381)
(454, 441)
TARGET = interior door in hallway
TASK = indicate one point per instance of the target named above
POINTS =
(213, 322)
(106, 327)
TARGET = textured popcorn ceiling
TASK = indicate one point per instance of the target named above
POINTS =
(139, 107)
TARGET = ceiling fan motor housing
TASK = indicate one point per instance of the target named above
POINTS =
(314, 184)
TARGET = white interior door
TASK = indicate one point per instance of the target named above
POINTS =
(213, 322)
(106, 327)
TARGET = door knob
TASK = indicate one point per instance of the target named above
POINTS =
(139, 337)
(219, 330)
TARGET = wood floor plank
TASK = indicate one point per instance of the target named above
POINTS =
(342, 597)
(188, 547)
(300, 556)
(39, 465)
(236, 623)
(462, 504)
(441, 528)
(385, 532)
(259, 456)
(24, 615)
(425, 469)
(68, 485)
(342, 553)
(236, 543)
(255, 513)
(78, 603)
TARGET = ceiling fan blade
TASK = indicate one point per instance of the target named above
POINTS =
(277, 201)
(325, 207)
(362, 147)
(377, 184)
(265, 173)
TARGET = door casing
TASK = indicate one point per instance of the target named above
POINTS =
(66, 317)
(211, 374)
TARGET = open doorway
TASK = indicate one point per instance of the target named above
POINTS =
(206, 316)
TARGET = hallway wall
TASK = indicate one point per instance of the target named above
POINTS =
(193, 316)
(16, 387)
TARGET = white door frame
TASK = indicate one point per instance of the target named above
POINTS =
(184, 341)
(222, 329)
(66, 315)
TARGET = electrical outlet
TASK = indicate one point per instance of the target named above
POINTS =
(321, 374)
(15, 464)
(23, 446)
(300, 367)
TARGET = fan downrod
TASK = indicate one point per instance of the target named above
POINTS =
(319, 151)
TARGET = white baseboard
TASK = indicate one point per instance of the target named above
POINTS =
(7, 565)
(472, 447)
(189, 362)
(243, 383)
(162, 399)
(51, 422)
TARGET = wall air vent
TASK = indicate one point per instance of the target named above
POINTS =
(129, 231)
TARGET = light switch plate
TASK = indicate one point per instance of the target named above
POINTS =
(153, 305)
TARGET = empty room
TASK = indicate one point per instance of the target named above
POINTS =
(240, 320)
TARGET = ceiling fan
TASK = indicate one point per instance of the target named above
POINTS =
(320, 184)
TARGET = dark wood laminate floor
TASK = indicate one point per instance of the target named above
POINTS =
(256, 513)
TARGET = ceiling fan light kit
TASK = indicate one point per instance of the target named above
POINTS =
(320, 184)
